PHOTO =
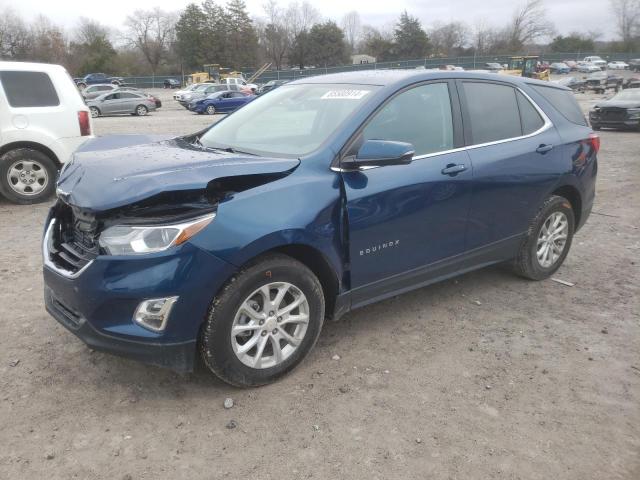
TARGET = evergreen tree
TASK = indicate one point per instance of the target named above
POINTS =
(327, 45)
(410, 38)
(190, 37)
(242, 39)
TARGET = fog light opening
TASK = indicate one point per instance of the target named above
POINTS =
(153, 314)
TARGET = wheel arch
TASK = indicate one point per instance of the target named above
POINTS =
(34, 146)
(572, 194)
(313, 259)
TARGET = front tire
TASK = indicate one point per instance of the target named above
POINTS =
(141, 110)
(548, 240)
(263, 322)
(27, 176)
(211, 110)
(95, 112)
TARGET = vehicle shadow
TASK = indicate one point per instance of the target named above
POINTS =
(114, 371)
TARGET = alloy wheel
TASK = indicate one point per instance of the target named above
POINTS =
(552, 239)
(27, 177)
(270, 325)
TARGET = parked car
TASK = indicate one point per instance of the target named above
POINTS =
(572, 64)
(220, 102)
(233, 82)
(119, 103)
(559, 67)
(634, 64)
(189, 88)
(617, 65)
(94, 91)
(271, 85)
(203, 90)
(595, 60)
(622, 111)
(573, 83)
(493, 67)
(237, 242)
(599, 82)
(43, 119)
(633, 82)
(171, 83)
(96, 78)
(588, 68)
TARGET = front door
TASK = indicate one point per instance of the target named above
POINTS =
(404, 218)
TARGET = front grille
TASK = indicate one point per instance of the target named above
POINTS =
(74, 240)
(614, 114)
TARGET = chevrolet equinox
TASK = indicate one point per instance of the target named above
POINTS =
(327, 194)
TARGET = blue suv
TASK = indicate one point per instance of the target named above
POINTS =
(326, 195)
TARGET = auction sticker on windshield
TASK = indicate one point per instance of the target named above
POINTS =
(345, 94)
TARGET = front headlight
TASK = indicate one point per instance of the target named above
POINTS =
(633, 112)
(138, 240)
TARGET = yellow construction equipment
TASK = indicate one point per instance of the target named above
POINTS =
(526, 66)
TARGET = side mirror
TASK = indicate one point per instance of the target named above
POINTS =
(380, 153)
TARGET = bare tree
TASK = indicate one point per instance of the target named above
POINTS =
(448, 39)
(529, 23)
(152, 32)
(627, 14)
(352, 29)
(274, 35)
(48, 43)
(15, 40)
(483, 37)
(301, 17)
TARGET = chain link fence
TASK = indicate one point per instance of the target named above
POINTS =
(467, 62)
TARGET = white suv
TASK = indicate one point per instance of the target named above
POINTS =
(43, 120)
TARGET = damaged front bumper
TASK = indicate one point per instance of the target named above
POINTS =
(98, 304)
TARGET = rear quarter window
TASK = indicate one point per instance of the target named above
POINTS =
(564, 102)
(29, 89)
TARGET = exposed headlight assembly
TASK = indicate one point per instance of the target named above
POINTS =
(139, 239)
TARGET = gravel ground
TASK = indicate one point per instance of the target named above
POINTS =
(483, 376)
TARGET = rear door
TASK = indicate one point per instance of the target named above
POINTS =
(404, 218)
(514, 149)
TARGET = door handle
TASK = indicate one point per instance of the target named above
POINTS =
(452, 169)
(544, 148)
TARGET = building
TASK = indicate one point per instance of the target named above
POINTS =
(362, 59)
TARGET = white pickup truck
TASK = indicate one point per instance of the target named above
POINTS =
(597, 61)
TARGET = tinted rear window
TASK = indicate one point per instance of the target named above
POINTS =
(531, 119)
(29, 89)
(493, 110)
(563, 101)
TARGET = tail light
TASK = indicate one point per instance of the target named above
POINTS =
(85, 124)
(594, 140)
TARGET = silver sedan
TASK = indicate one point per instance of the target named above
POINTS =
(121, 102)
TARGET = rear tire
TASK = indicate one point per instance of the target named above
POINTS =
(533, 260)
(27, 176)
(266, 326)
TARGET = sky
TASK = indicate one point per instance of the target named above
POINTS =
(568, 15)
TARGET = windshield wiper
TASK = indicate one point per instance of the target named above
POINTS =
(228, 149)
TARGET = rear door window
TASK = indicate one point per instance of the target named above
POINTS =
(29, 89)
(493, 111)
(420, 116)
(564, 102)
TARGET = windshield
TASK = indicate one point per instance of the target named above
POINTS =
(630, 94)
(293, 120)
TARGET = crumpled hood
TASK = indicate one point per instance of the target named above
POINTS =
(618, 104)
(111, 172)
